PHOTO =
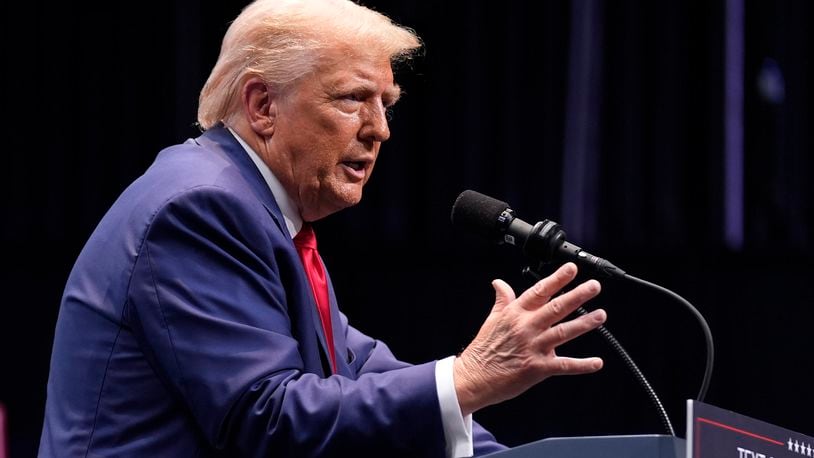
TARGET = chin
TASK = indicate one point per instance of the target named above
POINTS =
(349, 200)
(330, 205)
(347, 195)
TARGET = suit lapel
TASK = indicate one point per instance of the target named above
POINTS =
(220, 139)
(340, 344)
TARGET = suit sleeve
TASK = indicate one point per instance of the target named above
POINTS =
(373, 356)
(207, 303)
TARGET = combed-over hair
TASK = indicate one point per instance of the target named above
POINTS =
(281, 40)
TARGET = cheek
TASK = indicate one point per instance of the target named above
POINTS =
(324, 143)
(321, 169)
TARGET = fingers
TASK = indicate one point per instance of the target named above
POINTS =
(504, 294)
(561, 306)
(564, 332)
(515, 346)
(541, 292)
(575, 366)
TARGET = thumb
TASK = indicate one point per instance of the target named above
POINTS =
(504, 294)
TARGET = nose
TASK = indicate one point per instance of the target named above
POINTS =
(374, 126)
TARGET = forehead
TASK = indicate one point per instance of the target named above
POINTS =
(339, 70)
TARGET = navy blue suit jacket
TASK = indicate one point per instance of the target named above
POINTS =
(187, 328)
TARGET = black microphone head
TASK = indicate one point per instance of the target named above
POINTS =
(478, 213)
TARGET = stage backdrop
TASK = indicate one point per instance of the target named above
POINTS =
(671, 137)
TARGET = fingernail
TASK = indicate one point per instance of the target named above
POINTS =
(594, 286)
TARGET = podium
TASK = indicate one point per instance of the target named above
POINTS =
(712, 432)
(640, 446)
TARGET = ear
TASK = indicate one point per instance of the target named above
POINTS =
(259, 105)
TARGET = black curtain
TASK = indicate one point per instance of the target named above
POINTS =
(607, 117)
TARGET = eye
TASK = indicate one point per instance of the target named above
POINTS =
(354, 96)
(347, 102)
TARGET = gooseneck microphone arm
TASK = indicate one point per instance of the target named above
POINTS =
(545, 242)
(631, 365)
(702, 393)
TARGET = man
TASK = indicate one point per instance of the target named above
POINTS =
(196, 323)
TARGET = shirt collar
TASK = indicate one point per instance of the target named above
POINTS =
(293, 220)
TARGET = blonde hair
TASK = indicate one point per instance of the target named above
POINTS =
(281, 41)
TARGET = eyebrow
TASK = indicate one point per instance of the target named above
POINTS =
(392, 95)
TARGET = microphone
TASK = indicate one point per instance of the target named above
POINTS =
(544, 241)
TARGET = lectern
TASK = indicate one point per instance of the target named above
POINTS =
(643, 446)
(712, 432)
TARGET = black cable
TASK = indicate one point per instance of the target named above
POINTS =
(704, 326)
(637, 373)
(545, 242)
(665, 419)
(632, 365)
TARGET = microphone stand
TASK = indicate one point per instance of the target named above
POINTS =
(546, 241)
(536, 274)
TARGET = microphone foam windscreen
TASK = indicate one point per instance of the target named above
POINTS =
(478, 213)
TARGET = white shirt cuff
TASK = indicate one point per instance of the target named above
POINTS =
(457, 428)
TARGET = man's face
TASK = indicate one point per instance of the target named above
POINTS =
(328, 130)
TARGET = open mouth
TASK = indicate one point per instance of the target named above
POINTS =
(355, 165)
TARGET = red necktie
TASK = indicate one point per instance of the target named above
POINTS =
(306, 243)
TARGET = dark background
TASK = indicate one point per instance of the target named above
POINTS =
(608, 117)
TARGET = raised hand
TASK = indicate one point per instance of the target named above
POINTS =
(515, 348)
